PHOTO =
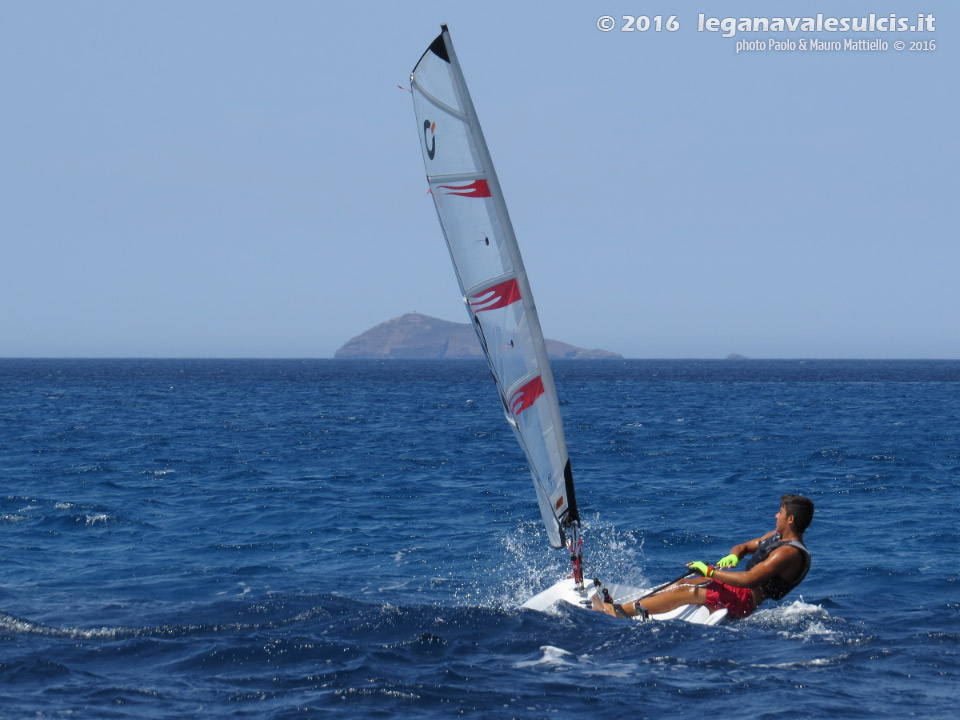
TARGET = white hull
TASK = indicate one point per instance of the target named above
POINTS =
(566, 591)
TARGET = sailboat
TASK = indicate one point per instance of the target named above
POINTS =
(497, 295)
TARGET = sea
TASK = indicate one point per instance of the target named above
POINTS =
(324, 538)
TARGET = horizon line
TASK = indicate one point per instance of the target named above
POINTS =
(472, 359)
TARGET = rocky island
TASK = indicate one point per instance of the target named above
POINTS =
(420, 337)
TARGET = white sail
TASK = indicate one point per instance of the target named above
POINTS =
(487, 261)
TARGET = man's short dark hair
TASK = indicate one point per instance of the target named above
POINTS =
(800, 507)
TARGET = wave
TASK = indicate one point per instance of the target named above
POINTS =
(13, 625)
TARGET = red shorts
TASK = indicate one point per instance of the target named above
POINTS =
(737, 601)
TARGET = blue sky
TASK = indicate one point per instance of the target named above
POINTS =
(243, 179)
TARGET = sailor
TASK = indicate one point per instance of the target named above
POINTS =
(780, 562)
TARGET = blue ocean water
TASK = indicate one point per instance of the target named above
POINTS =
(274, 539)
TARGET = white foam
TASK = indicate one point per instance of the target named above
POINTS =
(12, 624)
(398, 555)
(530, 566)
(799, 620)
(815, 662)
(798, 608)
(816, 629)
(552, 656)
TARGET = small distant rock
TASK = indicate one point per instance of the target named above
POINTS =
(420, 337)
(737, 356)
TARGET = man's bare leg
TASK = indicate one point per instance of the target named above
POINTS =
(689, 592)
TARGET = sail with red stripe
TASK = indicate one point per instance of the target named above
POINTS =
(486, 258)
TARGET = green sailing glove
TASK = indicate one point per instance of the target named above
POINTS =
(728, 561)
(702, 568)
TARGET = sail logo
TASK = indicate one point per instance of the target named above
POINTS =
(525, 396)
(432, 145)
(497, 296)
(476, 189)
